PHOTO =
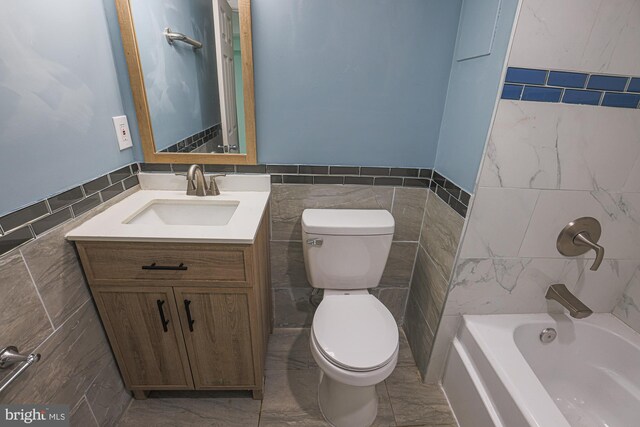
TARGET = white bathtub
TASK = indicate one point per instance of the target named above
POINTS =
(499, 373)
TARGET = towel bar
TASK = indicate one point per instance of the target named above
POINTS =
(9, 356)
(172, 36)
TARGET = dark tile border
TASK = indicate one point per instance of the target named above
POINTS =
(48, 222)
(22, 216)
(556, 86)
(251, 169)
(358, 180)
(195, 141)
(449, 192)
(25, 224)
(344, 170)
(28, 223)
(16, 238)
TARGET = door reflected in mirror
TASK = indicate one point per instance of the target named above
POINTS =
(186, 67)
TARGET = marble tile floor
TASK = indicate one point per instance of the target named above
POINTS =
(291, 395)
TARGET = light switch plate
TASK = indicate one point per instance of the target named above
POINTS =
(122, 132)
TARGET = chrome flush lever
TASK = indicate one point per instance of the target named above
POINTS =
(314, 242)
(579, 236)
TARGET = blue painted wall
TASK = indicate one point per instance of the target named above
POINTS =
(122, 74)
(181, 83)
(58, 91)
(359, 82)
(473, 88)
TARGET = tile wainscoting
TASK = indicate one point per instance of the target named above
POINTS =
(423, 203)
(437, 247)
(457, 198)
(429, 211)
(24, 225)
(48, 309)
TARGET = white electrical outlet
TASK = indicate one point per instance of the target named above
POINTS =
(122, 132)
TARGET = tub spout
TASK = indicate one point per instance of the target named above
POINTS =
(560, 293)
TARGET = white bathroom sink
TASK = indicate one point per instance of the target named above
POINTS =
(185, 212)
(161, 211)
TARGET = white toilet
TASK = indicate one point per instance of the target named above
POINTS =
(354, 338)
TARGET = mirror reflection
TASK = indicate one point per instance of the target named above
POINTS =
(191, 62)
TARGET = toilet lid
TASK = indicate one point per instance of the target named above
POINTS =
(355, 332)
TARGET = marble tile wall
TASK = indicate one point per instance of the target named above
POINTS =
(290, 287)
(47, 308)
(546, 164)
(437, 247)
(578, 35)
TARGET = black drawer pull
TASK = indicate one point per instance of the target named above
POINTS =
(164, 321)
(190, 320)
(153, 266)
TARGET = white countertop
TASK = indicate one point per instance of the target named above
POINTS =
(251, 191)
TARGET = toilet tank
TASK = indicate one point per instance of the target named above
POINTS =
(346, 248)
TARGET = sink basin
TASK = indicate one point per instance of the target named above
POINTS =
(185, 212)
(161, 212)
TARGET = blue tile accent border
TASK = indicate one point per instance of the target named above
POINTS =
(526, 75)
(568, 87)
(607, 82)
(541, 94)
(634, 85)
(566, 79)
(512, 91)
(586, 97)
(622, 100)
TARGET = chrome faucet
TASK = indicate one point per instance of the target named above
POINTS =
(196, 184)
(561, 294)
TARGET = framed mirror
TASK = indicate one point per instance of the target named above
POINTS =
(191, 72)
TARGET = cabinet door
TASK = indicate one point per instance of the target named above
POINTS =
(216, 324)
(144, 331)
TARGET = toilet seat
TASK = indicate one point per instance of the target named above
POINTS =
(356, 333)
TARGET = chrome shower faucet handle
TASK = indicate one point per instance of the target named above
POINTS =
(579, 236)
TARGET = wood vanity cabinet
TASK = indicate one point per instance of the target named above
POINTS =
(184, 316)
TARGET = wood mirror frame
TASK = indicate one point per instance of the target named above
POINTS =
(136, 78)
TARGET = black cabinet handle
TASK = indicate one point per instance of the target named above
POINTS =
(153, 266)
(164, 321)
(187, 303)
